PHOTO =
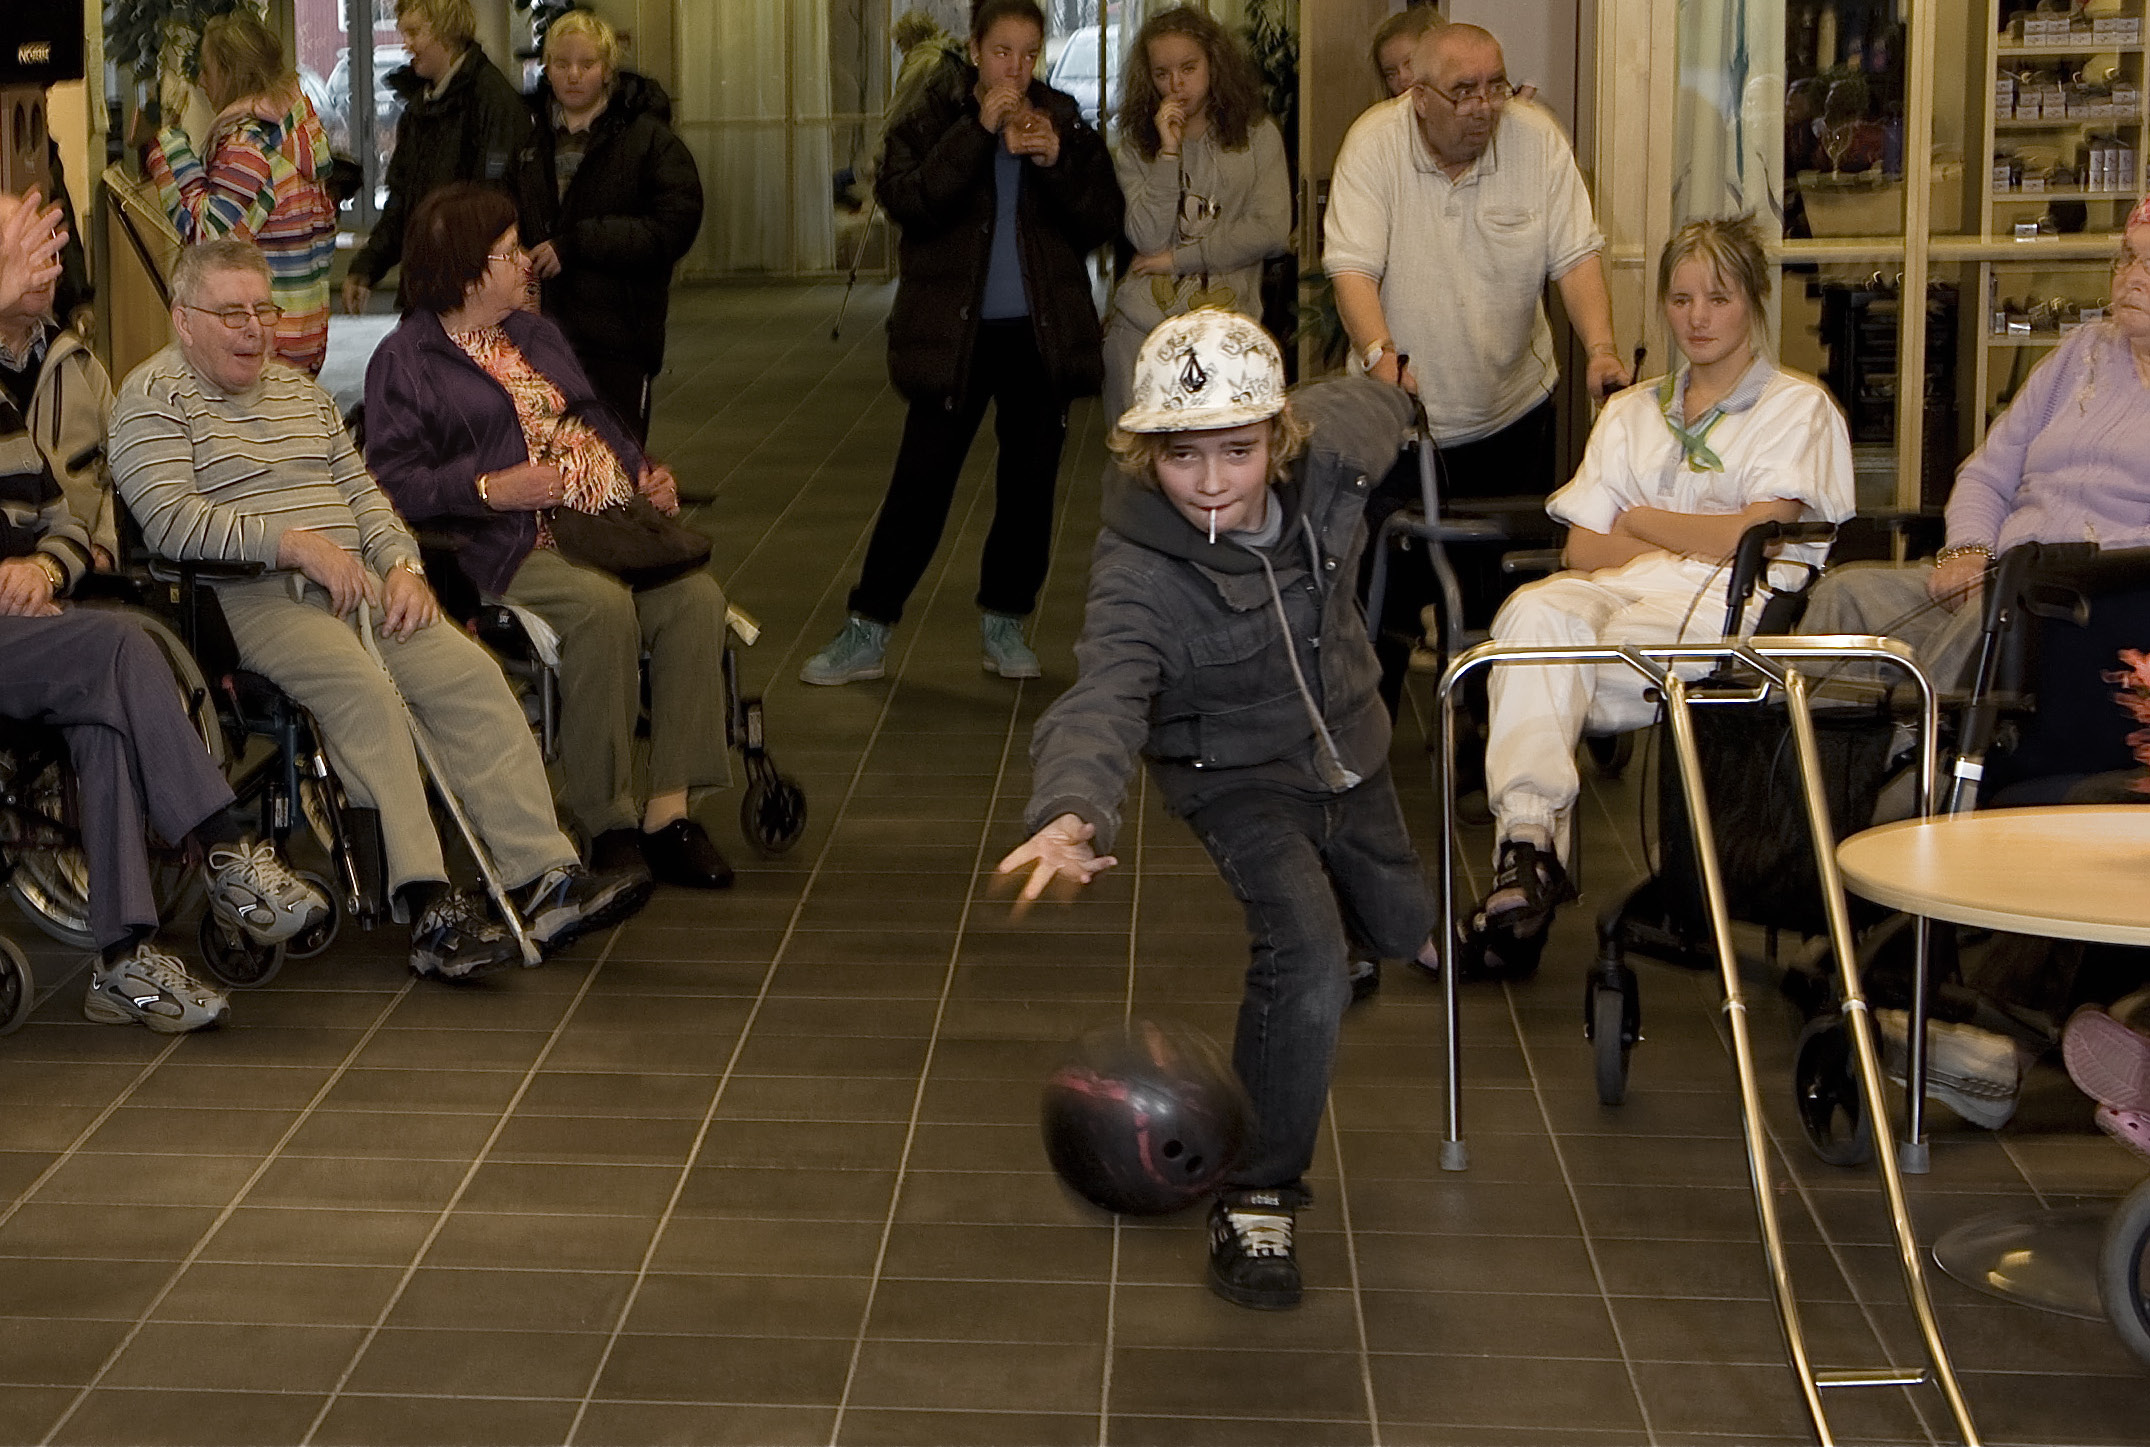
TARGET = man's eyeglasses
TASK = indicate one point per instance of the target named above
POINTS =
(1472, 98)
(268, 314)
(2128, 262)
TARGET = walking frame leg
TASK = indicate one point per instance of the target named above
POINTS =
(1455, 1155)
(494, 885)
(1681, 721)
(1859, 1019)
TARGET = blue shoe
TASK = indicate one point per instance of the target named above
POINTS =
(1005, 651)
(852, 656)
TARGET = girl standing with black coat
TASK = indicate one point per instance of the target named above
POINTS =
(1001, 189)
(610, 201)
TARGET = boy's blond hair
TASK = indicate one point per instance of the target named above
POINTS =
(453, 22)
(1137, 452)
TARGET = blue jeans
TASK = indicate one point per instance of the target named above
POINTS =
(1306, 872)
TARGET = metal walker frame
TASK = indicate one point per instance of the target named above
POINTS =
(1767, 666)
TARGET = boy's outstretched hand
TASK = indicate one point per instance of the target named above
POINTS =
(1061, 850)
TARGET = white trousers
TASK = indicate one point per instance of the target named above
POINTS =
(1540, 710)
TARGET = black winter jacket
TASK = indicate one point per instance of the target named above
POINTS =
(472, 132)
(936, 182)
(1183, 660)
(628, 217)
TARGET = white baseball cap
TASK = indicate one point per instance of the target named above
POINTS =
(1204, 370)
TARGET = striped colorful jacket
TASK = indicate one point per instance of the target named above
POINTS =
(264, 182)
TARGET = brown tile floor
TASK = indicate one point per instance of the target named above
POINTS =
(763, 1168)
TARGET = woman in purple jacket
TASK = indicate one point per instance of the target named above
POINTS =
(480, 422)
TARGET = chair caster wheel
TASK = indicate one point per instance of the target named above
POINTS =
(1825, 1090)
(235, 961)
(18, 988)
(307, 943)
(2124, 1272)
(1612, 1022)
(772, 815)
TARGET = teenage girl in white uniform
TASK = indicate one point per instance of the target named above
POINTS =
(1677, 468)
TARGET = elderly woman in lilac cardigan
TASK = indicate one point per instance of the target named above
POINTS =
(2068, 462)
(480, 422)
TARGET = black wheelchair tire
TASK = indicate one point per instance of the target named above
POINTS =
(2124, 1271)
(18, 987)
(233, 960)
(1825, 1091)
(772, 814)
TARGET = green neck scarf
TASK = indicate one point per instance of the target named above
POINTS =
(1693, 439)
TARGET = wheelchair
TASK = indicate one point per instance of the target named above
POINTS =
(772, 807)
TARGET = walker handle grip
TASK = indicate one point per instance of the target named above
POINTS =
(1752, 557)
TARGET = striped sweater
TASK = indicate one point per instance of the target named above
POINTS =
(263, 182)
(34, 516)
(220, 477)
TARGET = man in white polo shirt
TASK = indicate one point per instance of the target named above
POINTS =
(1450, 210)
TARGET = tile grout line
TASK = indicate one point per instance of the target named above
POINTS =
(1351, 1257)
(230, 1207)
(1138, 810)
(1582, 1222)
(455, 1197)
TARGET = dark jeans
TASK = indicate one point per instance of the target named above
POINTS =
(98, 678)
(1306, 874)
(1517, 461)
(1030, 421)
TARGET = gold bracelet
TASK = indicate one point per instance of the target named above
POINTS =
(1963, 550)
(483, 478)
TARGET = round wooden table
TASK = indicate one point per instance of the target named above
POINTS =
(2077, 872)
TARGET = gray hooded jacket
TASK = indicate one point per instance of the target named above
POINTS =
(1184, 661)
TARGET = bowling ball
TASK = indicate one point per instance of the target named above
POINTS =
(1145, 1117)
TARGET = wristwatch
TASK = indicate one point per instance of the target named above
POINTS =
(1371, 357)
(54, 571)
(417, 569)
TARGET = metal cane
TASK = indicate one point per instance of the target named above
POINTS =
(873, 209)
(509, 914)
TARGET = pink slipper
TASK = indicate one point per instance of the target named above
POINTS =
(2130, 1127)
(2107, 1059)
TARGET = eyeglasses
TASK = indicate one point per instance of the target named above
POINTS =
(513, 253)
(1483, 97)
(268, 314)
(2128, 262)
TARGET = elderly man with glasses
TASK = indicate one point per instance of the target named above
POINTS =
(1452, 206)
(226, 455)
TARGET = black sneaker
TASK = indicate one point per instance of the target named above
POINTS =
(1503, 937)
(457, 938)
(567, 902)
(1250, 1251)
(682, 854)
(1365, 980)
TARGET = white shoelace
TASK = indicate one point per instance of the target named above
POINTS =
(1260, 1233)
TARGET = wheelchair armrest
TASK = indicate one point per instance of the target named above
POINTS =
(107, 588)
(204, 570)
(1533, 560)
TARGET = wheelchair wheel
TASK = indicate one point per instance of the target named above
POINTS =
(18, 987)
(1612, 1022)
(772, 814)
(1825, 1089)
(308, 943)
(2124, 1271)
(51, 886)
(1610, 753)
(235, 961)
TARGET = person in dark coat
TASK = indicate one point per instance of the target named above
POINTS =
(1001, 189)
(610, 202)
(461, 121)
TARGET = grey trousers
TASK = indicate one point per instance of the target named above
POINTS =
(456, 693)
(1890, 599)
(97, 677)
(604, 628)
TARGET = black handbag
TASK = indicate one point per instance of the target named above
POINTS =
(632, 540)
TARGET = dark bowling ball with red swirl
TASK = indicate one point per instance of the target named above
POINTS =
(1145, 1117)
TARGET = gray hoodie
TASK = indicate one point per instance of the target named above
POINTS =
(1184, 660)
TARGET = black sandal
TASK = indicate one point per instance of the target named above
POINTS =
(1502, 938)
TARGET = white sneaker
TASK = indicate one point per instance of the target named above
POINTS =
(252, 890)
(1973, 1072)
(149, 987)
